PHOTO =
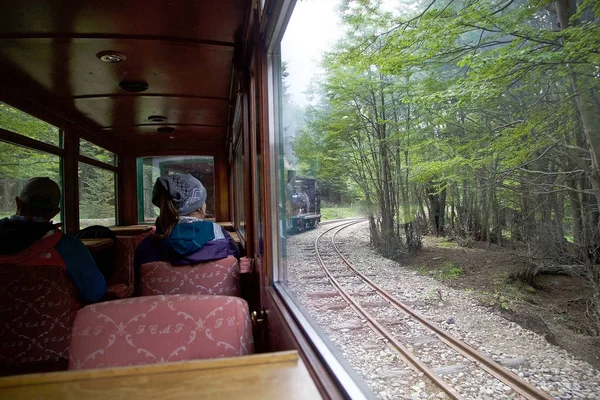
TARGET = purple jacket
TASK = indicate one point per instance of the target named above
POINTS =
(192, 241)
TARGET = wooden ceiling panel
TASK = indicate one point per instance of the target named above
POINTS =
(186, 136)
(216, 20)
(205, 132)
(117, 112)
(70, 68)
(183, 50)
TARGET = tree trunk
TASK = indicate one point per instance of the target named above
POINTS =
(586, 99)
(575, 203)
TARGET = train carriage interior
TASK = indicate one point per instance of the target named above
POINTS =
(108, 97)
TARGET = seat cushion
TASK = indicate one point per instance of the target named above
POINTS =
(220, 277)
(37, 309)
(159, 329)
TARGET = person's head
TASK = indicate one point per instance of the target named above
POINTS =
(39, 198)
(177, 195)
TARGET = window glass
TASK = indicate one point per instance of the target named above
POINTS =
(297, 67)
(97, 196)
(19, 164)
(151, 168)
(257, 187)
(457, 129)
(24, 124)
(239, 195)
(96, 152)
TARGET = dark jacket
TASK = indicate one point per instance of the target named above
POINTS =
(191, 242)
(17, 235)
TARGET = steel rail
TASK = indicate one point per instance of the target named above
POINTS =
(376, 326)
(492, 367)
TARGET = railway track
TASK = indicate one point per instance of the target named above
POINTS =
(347, 277)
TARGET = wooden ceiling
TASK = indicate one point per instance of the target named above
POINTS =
(183, 50)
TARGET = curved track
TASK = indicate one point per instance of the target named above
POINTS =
(490, 366)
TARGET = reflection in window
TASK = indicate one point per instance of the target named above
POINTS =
(96, 152)
(240, 212)
(255, 128)
(24, 124)
(19, 164)
(151, 168)
(96, 196)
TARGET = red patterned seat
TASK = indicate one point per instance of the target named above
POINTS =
(220, 277)
(122, 281)
(159, 329)
(37, 308)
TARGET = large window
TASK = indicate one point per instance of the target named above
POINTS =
(14, 120)
(296, 66)
(239, 176)
(19, 164)
(33, 148)
(238, 195)
(467, 134)
(97, 185)
(97, 153)
(97, 202)
(256, 150)
(151, 168)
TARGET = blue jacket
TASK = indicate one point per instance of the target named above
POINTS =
(192, 241)
(17, 234)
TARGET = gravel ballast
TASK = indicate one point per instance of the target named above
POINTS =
(527, 354)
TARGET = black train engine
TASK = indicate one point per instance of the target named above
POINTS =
(303, 203)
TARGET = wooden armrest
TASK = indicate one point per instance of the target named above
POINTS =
(117, 291)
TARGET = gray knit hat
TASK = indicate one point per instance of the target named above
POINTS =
(186, 192)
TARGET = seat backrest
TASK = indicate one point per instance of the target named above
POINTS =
(105, 258)
(158, 329)
(219, 277)
(124, 274)
(37, 309)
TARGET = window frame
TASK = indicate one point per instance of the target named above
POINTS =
(18, 139)
(68, 153)
(318, 350)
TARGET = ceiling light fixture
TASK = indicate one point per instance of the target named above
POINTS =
(111, 57)
(157, 118)
(165, 129)
(133, 86)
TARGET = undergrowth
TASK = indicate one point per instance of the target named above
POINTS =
(338, 213)
(449, 270)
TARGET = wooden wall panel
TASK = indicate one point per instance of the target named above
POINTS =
(70, 181)
(127, 191)
(222, 176)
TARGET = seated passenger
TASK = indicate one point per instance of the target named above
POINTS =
(30, 238)
(182, 235)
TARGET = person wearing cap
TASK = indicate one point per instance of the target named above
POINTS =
(30, 238)
(183, 236)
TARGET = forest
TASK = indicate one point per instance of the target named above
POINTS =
(477, 120)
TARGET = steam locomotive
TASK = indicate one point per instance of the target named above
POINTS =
(303, 203)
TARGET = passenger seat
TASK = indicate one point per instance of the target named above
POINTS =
(37, 309)
(219, 277)
(159, 329)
